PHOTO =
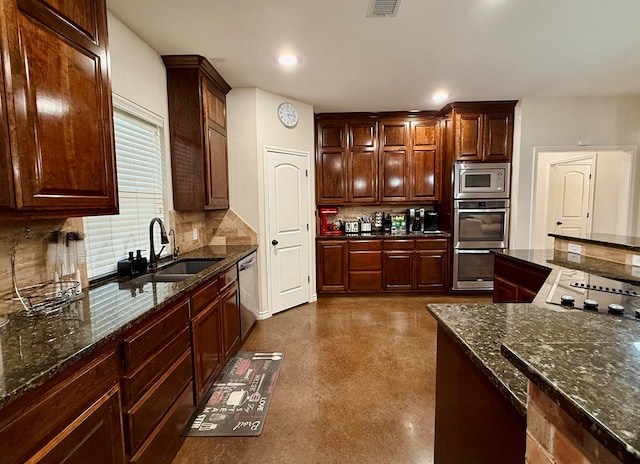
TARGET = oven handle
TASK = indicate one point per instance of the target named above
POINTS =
(472, 252)
(484, 210)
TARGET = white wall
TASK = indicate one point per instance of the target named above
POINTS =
(566, 123)
(252, 125)
(138, 74)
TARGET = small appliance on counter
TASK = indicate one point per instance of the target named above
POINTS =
(351, 227)
(326, 227)
(430, 222)
(419, 220)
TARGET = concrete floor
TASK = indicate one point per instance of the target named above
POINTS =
(357, 385)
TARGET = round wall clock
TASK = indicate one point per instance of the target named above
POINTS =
(287, 114)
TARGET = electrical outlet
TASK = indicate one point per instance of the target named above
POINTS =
(573, 258)
(195, 233)
(635, 271)
(636, 260)
(575, 248)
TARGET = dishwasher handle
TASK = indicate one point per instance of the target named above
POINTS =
(249, 264)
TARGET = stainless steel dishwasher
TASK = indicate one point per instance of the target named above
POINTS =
(248, 285)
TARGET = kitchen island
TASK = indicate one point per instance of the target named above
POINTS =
(582, 370)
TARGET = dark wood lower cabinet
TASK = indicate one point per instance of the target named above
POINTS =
(516, 281)
(331, 258)
(75, 417)
(215, 329)
(230, 320)
(95, 436)
(206, 344)
(475, 423)
(398, 270)
(383, 265)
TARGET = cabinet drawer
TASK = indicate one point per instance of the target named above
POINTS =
(365, 245)
(369, 281)
(29, 429)
(365, 260)
(135, 383)
(205, 295)
(142, 418)
(163, 443)
(139, 346)
(398, 245)
(230, 276)
(432, 244)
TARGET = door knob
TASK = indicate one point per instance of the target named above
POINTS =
(274, 242)
(558, 223)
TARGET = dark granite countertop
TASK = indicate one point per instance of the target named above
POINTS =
(381, 235)
(587, 363)
(626, 242)
(33, 349)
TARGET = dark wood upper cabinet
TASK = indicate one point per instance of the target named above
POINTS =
(331, 163)
(56, 140)
(362, 174)
(425, 161)
(389, 159)
(483, 131)
(394, 162)
(197, 127)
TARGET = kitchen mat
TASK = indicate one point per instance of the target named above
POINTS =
(239, 398)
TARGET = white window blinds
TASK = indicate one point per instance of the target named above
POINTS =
(139, 163)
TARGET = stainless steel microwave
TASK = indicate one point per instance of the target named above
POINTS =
(482, 180)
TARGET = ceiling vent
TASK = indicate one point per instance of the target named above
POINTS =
(383, 8)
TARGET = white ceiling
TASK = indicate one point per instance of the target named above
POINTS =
(474, 49)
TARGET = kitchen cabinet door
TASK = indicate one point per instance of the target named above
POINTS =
(216, 177)
(398, 270)
(504, 291)
(58, 109)
(469, 132)
(331, 256)
(363, 163)
(498, 137)
(230, 320)
(331, 163)
(394, 160)
(425, 164)
(431, 270)
(207, 348)
(95, 437)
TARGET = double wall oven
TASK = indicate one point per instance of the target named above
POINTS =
(481, 222)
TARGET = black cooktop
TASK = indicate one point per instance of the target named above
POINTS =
(587, 292)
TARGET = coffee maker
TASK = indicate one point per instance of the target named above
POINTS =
(421, 221)
(415, 220)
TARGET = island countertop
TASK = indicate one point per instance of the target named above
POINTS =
(33, 349)
(588, 363)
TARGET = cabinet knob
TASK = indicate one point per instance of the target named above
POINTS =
(274, 242)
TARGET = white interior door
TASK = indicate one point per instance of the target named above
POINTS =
(570, 198)
(288, 225)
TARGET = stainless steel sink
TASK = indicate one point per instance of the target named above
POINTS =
(187, 266)
(174, 272)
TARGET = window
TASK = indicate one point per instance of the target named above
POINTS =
(140, 169)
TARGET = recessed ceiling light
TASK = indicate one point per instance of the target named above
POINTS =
(439, 96)
(288, 60)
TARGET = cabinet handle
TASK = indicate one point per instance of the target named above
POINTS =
(558, 223)
(274, 242)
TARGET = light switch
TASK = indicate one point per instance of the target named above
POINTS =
(195, 233)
